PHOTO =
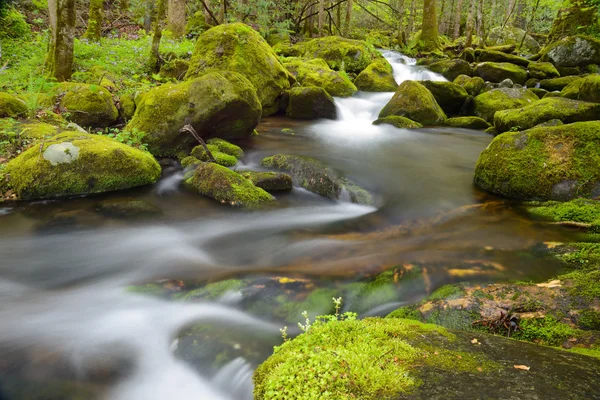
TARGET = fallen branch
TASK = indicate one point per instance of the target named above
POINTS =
(190, 129)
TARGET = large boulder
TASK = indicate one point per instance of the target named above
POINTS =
(586, 89)
(451, 69)
(547, 109)
(217, 104)
(317, 73)
(270, 181)
(12, 107)
(501, 57)
(573, 51)
(377, 77)
(76, 163)
(545, 163)
(86, 105)
(472, 85)
(497, 72)
(414, 101)
(450, 96)
(239, 48)
(226, 186)
(558, 84)
(542, 70)
(310, 103)
(510, 35)
(486, 104)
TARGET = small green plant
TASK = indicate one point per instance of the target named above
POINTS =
(133, 138)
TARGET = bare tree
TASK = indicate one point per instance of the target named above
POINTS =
(457, 19)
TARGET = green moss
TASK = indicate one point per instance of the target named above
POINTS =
(584, 284)
(497, 72)
(398, 122)
(544, 110)
(558, 84)
(96, 15)
(468, 123)
(447, 292)
(127, 109)
(221, 158)
(174, 69)
(414, 101)
(377, 77)
(542, 70)
(213, 291)
(189, 160)
(38, 130)
(472, 85)
(310, 103)
(226, 186)
(580, 210)
(239, 48)
(586, 89)
(406, 312)
(225, 147)
(547, 331)
(451, 69)
(12, 107)
(501, 57)
(13, 25)
(450, 96)
(589, 319)
(316, 72)
(74, 163)
(269, 181)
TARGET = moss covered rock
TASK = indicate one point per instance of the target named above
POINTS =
(200, 153)
(174, 69)
(558, 84)
(548, 108)
(542, 70)
(310, 103)
(450, 96)
(468, 123)
(486, 104)
(377, 77)
(501, 57)
(316, 72)
(239, 48)
(75, 163)
(12, 107)
(414, 101)
(226, 186)
(573, 51)
(472, 85)
(451, 69)
(510, 35)
(219, 104)
(546, 163)
(270, 181)
(586, 89)
(497, 72)
(398, 122)
(225, 147)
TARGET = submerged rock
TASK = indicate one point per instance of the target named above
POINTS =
(127, 209)
(468, 123)
(573, 51)
(546, 163)
(487, 104)
(451, 69)
(310, 103)
(497, 72)
(398, 122)
(414, 101)
(12, 107)
(377, 77)
(269, 181)
(316, 72)
(450, 96)
(217, 104)
(239, 48)
(75, 163)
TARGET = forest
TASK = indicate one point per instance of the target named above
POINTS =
(299, 199)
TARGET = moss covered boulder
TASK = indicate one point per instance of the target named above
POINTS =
(75, 163)
(544, 110)
(510, 35)
(398, 122)
(486, 104)
(226, 186)
(546, 163)
(217, 104)
(12, 107)
(414, 101)
(573, 51)
(467, 123)
(199, 153)
(472, 85)
(86, 105)
(239, 48)
(310, 103)
(225, 147)
(316, 72)
(558, 84)
(501, 57)
(497, 72)
(269, 181)
(542, 70)
(175, 69)
(377, 77)
(451, 69)
(450, 96)
(586, 89)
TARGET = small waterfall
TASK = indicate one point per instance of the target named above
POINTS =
(406, 68)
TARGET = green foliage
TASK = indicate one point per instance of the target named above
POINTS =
(13, 24)
(548, 331)
(447, 292)
(133, 137)
(579, 210)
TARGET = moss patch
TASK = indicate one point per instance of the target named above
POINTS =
(497, 72)
(316, 72)
(12, 107)
(414, 101)
(398, 122)
(310, 103)
(377, 77)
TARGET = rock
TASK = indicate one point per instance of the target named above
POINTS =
(539, 92)
(191, 161)
(468, 55)
(175, 69)
(339, 53)
(532, 83)
(451, 69)
(580, 18)
(510, 35)
(558, 84)
(218, 104)
(573, 51)
(467, 123)
(487, 86)
(239, 48)
(497, 72)
(566, 110)
(542, 70)
(585, 89)
(226, 186)
(414, 101)
(12, 107)
(377, 77)
(74, 163)
(317, 73)
(398, 122)
(591, 69)
(450, 96)
(567, 71)
(488, 103)
(548, 163)
(127, 209)
(552, 122)
(87, 105)
(310, 103)
(221, 158)
(225, 147)
(507, 83)
(269, 181)
(500, 57)
(473, 85)
(551, 94)
(126, 107)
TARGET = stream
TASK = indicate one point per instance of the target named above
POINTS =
(68, 322)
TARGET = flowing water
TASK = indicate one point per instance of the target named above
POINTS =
(70, 325)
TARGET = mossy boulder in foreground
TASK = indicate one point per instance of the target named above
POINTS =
(75, 163)
(414, 101)
(486, 104)
(12, 107)
(239, 48)
(377, 77)
(316, 72)
(226, 186)
(546, 163)
(401, 359)
(217, 104)
(310, 103)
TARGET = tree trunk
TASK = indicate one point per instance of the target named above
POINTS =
(401, 34)
(347, 25)
(59, 61)
(124, 6)
(520, 21)
(309, 25)
(95, 18)
(470, 23)
(480, 24)
(222, 11)
(441, 19)
(510, 8)
(153, 62)
(176, 17)
(321, 19)
(457, 19)
(412, 17)
(429, 40)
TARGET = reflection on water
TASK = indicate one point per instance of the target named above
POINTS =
(69, 324)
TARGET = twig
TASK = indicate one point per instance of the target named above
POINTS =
(190, 129)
